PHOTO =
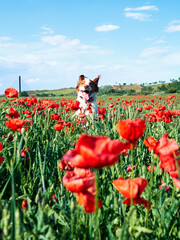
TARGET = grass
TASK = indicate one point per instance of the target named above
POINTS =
(37, 177)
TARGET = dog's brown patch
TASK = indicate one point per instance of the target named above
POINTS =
(92, 83)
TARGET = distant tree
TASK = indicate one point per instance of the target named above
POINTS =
(42, 94)
(174, 86)
(106, 90)
(162, 88)
(131, 92)
(146, 90)
(124, 84)
(24, 94)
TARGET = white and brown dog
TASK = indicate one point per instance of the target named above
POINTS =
(87, 93)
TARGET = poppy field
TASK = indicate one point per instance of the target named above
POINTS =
(63, 177)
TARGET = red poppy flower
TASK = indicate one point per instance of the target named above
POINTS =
(167, 188)
(129, 168)
(94, 151)
(24, 152)
(147, 107)
(55, 116)
(166, 146)
(150, 142)
(175, 175)
(111, 104)
(176, 182)
(131, 130)
(87, 200)
(64, 165)
(58, 127)
(139, 109)
(102, 111)
(132, 189)
(54, 197)
(79, 180)
(74, 105)
(150, 168)
(167, 150)
(25, 204)
(11, 93)
(1, 146)
(81, 115)
(11, 112)
(1, 159)
(17, 123)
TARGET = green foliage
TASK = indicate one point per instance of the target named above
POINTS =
(42, 94)
(106, 90)
(173, 87)
(37, 177)
(146, 90)
(110, 90)
(131, 92)
(24, 94)
(162, 88)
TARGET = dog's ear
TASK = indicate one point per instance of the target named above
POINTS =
(96, 80)
(81, 77)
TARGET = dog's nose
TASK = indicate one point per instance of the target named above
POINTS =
(86, 86)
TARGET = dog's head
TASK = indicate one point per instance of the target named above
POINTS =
(87, 88)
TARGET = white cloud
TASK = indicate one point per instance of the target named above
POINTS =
(64, 46)
(105, 68)
(138, 16)
(5, 39)
(173, 26)
(154, 51)
(47, 30)
(159, 41)
(143, 8)
(172, 59)
(50, 62)
(106, 28)
(54, 40)
(148, 39)
(32, 80)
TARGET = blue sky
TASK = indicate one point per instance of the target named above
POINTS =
(51, 42)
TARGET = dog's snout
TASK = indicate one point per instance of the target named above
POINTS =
(86, 86)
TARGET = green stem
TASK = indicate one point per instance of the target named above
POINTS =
(13, 203)
(150, 191)
(132, 174)
(96, 227)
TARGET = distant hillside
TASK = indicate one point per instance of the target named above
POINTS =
(56, 92)
(135, 87)
(72, 91)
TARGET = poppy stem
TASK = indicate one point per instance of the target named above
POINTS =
(177, 165)
(121, 160)
(150, 192)
(132, 175)
(132, 162)
(13, 201)
(96, 226)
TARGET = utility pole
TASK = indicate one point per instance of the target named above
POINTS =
(19, 84)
